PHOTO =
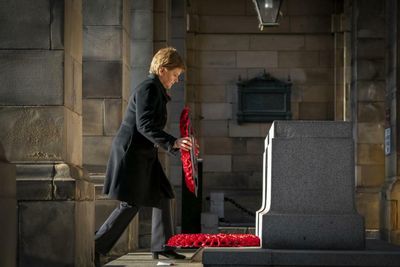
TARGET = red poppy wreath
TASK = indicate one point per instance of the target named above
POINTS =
(189, 158)
(213, 240)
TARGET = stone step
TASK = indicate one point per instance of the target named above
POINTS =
(377, 253)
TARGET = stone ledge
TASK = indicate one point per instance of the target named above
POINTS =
(311, 129)
(378, 253)
(58, 181)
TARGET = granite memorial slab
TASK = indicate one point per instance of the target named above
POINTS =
(308, 215)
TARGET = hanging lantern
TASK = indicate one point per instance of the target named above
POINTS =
(268, 12)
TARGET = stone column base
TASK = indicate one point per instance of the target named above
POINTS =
(390, 196)
(55, 216)
(8, 218)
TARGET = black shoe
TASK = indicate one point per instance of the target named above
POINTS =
(97, 261)
(170, 254)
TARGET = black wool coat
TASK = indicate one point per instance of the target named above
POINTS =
(134, 173)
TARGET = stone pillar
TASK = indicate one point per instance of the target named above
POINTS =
(177, 31)
(8, 210)
(390, 193)
(341, 30)
(141, 42)
(106, 83)
(368, 106)
(142, 50)
(106, 34)
(41, 122)
(308, 188)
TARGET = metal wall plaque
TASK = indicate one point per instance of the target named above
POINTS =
(263, 99)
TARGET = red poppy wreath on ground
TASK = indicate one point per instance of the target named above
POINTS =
(213, 240)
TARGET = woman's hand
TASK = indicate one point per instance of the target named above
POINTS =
(184, 143)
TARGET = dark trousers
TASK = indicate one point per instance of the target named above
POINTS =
(112, 229)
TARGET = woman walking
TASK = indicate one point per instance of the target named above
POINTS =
(134, 174)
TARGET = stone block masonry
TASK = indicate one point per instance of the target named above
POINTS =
(42, 73)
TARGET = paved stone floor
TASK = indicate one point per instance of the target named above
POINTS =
(144, 259)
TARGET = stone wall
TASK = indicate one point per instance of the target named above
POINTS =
(369, 106)
(224, 43)
(390, 192)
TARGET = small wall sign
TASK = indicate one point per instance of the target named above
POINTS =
(388, 134)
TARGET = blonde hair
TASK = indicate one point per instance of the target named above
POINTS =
(168, 58)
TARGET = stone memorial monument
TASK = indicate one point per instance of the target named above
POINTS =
(308, 190)
(308, 215)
